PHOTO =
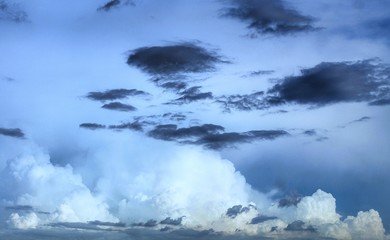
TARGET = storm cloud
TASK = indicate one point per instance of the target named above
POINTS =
(11, 12)
(268, 17)
(115, 94)
(12, 132)
(119, 107)
(334, 82)
(211, 136)
(172, 63)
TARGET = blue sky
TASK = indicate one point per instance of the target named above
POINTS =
(138, 111)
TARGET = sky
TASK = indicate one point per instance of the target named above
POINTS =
(216, 119)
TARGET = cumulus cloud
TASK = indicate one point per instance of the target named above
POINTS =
(115, 94)
(11, 12)
(268, 17)
(27, 221)
(118, 106)
(12, 132)
(245, 102)
(136, 125)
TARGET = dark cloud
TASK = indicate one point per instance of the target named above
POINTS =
(171, 132)
(170, 221)
(75, 225)
(258, 73)
(12, 132)
(246, 102)
(107, 224)
(115, 94)
(333, 82)
(268, 17)
(175, 116)
(20, 208)
(11, 12)
(119, 107)
(236, 210)
(114, 4)
(149, 223)
(260, 219)
(174, 86)
(223, 140)
(92, 126)
(136, 125)
(299, 226)
(310, 132)
(290, 200)
(169, 64)
(380, 102)
(211, 136)
(191, 95)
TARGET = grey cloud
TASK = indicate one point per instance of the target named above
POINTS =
(260, 219)
(12, 132)
(191, 95)
(172, 63)
(92, 126)
(290, 200)
(244, 102)
(75, 225)
(137, 126)
(174, 86)
(236, 210)
(115, 94)
(299, 226)
(119, 107)
(149, 223)
(175, 116)
(223, 140)
(258, 73)
(211, 136)
(107, 224)
(333, 82)
(20, 208)
(114, 4)
(170, 221)
(380, 102)
(171, 132)
(310, 132)
(268, 17)
(11, 12)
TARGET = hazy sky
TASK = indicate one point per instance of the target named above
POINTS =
(268, 117)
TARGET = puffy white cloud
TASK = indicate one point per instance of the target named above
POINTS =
(27, 221)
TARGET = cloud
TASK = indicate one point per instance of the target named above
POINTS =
(114, 4)
(261, 219)
(298, 225)
(172, 63)
(210, 135)
(235, 210)
(115, 94)
(11, 12)
(246, 102)
(27, 221)
(191, 95)
(268, 17)
(12, 132)
(258, 73)
(170, 221)
(380, 102)
(229, 139)
(334, 82)
(291, 200)
(149, 223)
(171, 132)
(119, 107)
(92, 126)
(137, 126)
